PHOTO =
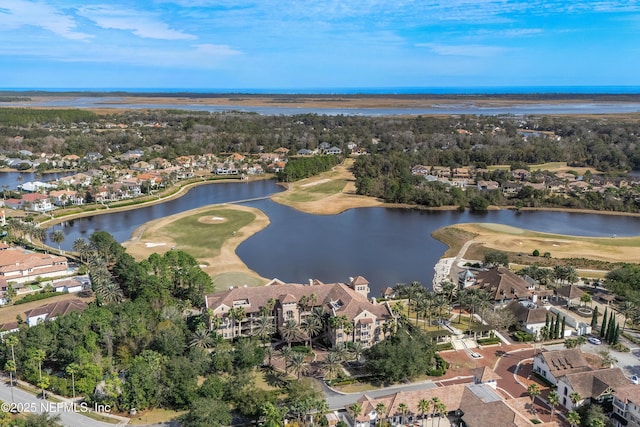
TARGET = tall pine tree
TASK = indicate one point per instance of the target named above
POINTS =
(603, 328)
(564, 324)
(552, 328)
(594, 318)
(556, 332)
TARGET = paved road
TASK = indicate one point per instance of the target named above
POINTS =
(31, 403)
(505, 367)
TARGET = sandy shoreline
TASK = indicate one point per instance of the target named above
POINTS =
(149, 238)
(108, 100)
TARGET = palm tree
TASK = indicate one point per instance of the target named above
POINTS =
(357, 349)
(404, 410)
(423, 406)
(463, 298)
(286, 354)
(627, 309)
(57, 237)
(12, 341)
(381, 411)
(273, 415)
(38, 357)
(553, 399)
(269, 352)
(355, 410)
(574, 418)
(447, 289)
(72, 369)
(311, 326)
(82, 247)
(441, 410)
(290, 331)
(332, 364)
(264, 329)
(434, 403)
(10, 367)
(298, 364)
(533, 391)
(237, 314)
(420, 305)
(201, 339)
(575, 398)
(108, 291)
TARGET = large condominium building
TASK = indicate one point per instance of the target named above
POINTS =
(350, 316)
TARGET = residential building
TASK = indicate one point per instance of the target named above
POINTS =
(20, 266)
(626, 406)
(551, 365)
(355, 318)
(595, 386)
(51, 311)
(502, 284)
(531, 318)
(471, 405)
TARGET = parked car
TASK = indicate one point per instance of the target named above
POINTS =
(594, 340)
(635, 379)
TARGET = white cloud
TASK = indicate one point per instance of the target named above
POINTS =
(15, 14)
(142, 24)
(473, 50)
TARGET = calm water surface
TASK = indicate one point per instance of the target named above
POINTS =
(11, 180)
(387, 246)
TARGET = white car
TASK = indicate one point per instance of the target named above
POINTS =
(634, 379)
(594, 340)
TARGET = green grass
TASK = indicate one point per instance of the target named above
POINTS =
(604, 241)
(300, 197)
(225, 280)
(203, 240)
(331, 187)
(315, 192)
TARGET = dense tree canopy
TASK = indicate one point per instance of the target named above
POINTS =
(404, 356)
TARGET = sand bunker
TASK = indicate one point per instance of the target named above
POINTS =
(212, 219)
(153, 245)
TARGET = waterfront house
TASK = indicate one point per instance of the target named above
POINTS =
(502, 284)
(352, 317)
(20, 266)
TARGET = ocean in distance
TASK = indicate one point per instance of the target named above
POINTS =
(426, 90)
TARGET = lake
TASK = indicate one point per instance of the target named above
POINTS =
(385, 245)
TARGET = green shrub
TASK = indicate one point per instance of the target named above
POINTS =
(536, 252)
(440, 368)
(621, 347)
(301, 349)
(37, 297)
(444, 346)
(522, 336)
(489, 341)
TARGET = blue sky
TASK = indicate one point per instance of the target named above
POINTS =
(281, 44)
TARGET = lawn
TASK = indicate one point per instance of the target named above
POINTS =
(155, 416)
(311, 192)
(521, 241)
(202, 236)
